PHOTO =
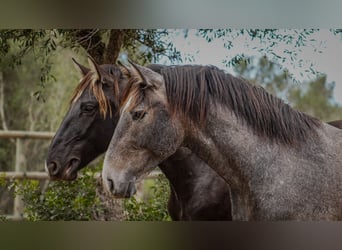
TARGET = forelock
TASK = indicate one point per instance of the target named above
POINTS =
(90, 82)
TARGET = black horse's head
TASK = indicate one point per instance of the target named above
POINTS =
(86, 130)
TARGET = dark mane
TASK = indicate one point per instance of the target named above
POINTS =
(191, 88)
(156, 67)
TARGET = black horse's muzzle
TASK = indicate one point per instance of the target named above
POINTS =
(58, 172)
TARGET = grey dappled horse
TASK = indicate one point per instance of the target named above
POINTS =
(280, 164)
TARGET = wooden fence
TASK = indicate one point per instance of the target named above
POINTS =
(21, 172)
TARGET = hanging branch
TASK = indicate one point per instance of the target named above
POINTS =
(2, 98)
(2, 105)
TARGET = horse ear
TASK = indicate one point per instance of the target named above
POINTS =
(124, 69)
(84, 70)
(96, 68)
(137, 71)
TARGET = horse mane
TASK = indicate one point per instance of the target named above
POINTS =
(91, 81)
(190, 90)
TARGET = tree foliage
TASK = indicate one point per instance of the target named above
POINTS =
(104, 46)
(265, 72)
(281, 46)
(312, 97)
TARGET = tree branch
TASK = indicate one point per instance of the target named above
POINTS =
(91, 41)
(2, 98)
(2, 104)
(116, 40)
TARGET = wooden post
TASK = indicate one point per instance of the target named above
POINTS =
(19, 167)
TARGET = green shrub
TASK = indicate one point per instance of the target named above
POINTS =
(153, 207)
(77, 200)
(60, 200)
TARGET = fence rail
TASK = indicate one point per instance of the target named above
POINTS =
(20, 172)
(32, 175)
(18, 134)
(20, 168)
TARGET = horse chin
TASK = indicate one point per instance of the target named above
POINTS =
(65, 177)
(70, 177)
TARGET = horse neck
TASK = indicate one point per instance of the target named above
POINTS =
(228, 145)
(231, 149)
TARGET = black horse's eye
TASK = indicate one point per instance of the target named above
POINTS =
(138, 115)
(88, 107)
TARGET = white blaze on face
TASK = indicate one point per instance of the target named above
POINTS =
(128, 103)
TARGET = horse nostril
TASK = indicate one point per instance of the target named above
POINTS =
(53, 168)
(110, 185)
(72, 164)
(73, 161)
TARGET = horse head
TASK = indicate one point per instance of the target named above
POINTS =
(87, 127)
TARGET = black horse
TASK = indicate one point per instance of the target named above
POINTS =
(197, 192)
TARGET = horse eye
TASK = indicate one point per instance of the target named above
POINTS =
(138, 115)
(88, 107)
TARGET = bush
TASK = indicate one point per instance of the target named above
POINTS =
(77, 200)
(60, 200)
(153, 207)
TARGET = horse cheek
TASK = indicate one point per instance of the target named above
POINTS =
(165, 138)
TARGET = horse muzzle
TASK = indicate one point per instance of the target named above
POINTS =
(57, 172)
(120, 190)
